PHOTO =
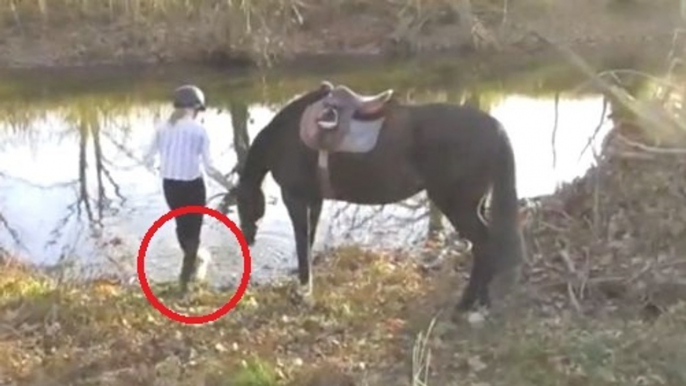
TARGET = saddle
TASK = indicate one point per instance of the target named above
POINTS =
(343, 121)
(368, 105)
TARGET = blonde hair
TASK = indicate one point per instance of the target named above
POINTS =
(178, 114)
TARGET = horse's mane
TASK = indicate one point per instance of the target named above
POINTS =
(295, 106)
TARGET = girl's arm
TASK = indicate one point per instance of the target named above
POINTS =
(209, 164)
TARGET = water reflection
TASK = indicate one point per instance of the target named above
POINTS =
(72, 188)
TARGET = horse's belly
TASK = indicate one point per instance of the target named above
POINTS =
(373, 180)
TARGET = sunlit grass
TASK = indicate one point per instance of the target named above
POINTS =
(92, 316)
(365, 307)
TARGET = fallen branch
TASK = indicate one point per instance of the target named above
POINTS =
(650, 115)
(651, 149)
(570, 286)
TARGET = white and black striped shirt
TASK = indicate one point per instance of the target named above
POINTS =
(181, 147)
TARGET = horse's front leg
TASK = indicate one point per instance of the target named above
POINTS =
(299, 212)
(315, 209)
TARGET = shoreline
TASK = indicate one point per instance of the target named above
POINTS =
(601, 55)
(509, 56)
(369, 34)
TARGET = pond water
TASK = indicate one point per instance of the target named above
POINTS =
(72, 189)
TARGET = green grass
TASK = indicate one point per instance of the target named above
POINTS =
(255, 372)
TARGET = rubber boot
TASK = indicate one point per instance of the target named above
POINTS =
(189, 265)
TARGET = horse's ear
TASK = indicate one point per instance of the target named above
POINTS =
(326, 86)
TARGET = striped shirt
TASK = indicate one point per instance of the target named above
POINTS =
(181, 147)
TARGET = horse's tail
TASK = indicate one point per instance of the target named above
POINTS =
(507, 244)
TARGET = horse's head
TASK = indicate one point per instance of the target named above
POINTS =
(250, 204)
(249, 197)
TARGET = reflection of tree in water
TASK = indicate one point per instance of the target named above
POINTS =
(88, 121)
(241, 140)
(240, 116)
(13, 232)
(6, 224)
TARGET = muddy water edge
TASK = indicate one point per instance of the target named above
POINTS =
(72, 192)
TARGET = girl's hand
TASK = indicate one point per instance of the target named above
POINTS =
(219, 178)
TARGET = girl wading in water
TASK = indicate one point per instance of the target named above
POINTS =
(182, 144)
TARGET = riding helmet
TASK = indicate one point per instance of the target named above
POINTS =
(190, 97)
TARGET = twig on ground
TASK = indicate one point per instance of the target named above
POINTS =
(421, 357)
(595, 224)
(633, 154)
(570, 286)
(551, 226)
(625, 280)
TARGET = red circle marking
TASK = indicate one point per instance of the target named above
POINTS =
(199, 319)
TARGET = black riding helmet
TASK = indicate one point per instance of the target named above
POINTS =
(189, 97)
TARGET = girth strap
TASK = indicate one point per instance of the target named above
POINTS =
(324, 175)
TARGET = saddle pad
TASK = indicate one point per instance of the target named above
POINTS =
(362, 136)
(358, 137)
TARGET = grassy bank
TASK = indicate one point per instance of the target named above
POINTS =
(102, 333)
(361, 329)
(69, 32)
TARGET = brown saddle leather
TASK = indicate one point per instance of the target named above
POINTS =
(343, 121)
(366, 105)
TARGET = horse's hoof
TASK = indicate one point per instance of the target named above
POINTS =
(305, 294)
(504, 285)
(477, 318)
(465, 305)
(474, 314)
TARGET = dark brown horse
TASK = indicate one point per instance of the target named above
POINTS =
(332, 143)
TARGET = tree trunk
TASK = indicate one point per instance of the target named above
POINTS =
(480, 37)
(241, 140)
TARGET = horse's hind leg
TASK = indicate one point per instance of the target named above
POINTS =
(461, 209)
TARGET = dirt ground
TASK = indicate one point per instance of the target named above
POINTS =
(385, 28)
